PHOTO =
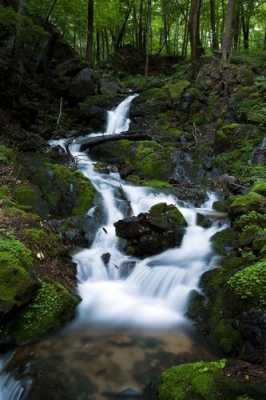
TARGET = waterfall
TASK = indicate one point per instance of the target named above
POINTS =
(10, 389)
(117, 120)
(156, 293)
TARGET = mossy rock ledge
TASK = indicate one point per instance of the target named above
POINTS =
(54, 189)
(150, 233)
(215, 380)
(17, 282)
(52, 306)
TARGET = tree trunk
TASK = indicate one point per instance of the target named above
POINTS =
(194, 29)
(51, 9)
(228, 30)
(122, 31)
(215, 45)
(148, 32)
(90, 32)
(245, 30)
(140, 41)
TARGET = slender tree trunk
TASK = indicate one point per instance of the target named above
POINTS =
(228, 30)
(186, 33)
(215, 45)
(51, 9)
(90, 32)
(140, 41)
(245, 29)
(123, 28)
(148, 34)
(194, 29)
(236, 24)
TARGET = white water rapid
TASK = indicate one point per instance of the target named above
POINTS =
(156, 293)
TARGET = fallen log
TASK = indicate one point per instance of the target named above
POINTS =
(95, 141)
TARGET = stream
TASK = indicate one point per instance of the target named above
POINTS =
(131, 327)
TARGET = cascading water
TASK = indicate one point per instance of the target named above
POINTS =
(156, 294)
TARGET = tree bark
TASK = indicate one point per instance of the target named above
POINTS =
(90, 32)
(194, 29)
(228, 30)
(148, 33)
(215, 45)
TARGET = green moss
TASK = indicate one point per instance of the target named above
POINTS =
(227, 337)
(156, 184)
(153, 161)
(176, 89)
(64, 192)
(30, 33)
(249, 284)
(42, 240)
(223, 240)
(255, 110)
(251, 218)
(27, 196)
(52, 306)
(7, 155)
(260, 188)
(16, 282)
(161, 211)
(148, 159)
(249, 202)
(134, 179)
(191, 381)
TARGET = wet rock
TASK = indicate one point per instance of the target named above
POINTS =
(106, 258)
(204, 220)
(150, 233)
(126, 268)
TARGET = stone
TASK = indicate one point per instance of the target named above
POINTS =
(126, 268)
(163, 227)
(82, 85)
(106, 258)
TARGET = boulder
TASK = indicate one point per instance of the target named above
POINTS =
(126, 268)
(82, 85)
(108, 87)
(17, 284)
(163, 227)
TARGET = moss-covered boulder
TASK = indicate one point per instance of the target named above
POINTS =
(17, 284)
(150, 233)
(224, 240)
(146, 159)
(252, 201)
(53, 305)
(191, 381)
(260, 188)
(28, 197)
(215, 380)
(55, 189)
(249, 285)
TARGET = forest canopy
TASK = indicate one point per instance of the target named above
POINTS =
(165, 27)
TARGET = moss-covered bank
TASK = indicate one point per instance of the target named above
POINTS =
(37, 276)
